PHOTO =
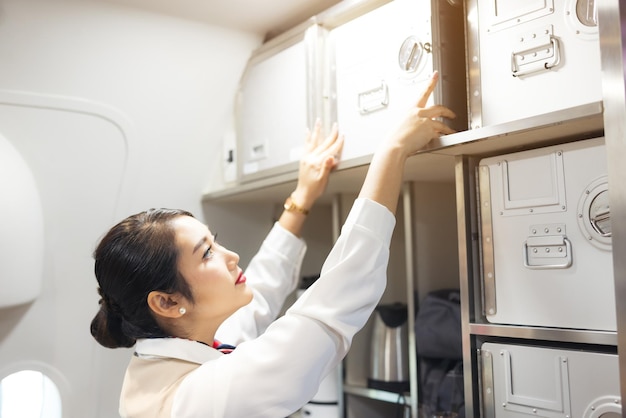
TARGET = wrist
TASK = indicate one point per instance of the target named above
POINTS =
(303, 197)
(293, 205)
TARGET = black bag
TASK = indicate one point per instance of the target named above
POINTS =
(441, 388)
(438, 325)
(440, 355)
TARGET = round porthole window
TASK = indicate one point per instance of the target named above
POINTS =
(594, 214)
(604, 407)
(29, 394)
(582, 18)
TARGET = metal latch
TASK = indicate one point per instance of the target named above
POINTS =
(547, 247)
(373, 99)
(537, 50)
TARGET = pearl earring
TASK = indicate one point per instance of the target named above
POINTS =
(182, 311)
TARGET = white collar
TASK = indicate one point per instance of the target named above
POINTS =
(178, 348)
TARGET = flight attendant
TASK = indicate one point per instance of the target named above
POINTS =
(169, 289)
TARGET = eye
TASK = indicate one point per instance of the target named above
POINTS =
(208, 253)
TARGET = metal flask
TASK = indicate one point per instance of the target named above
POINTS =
(389, 361)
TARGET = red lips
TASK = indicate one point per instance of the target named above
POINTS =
(240, 279)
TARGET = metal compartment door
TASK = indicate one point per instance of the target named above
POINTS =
(383, 60)
(522, 381)
(278, 99)
(534, 57)
(545, 237)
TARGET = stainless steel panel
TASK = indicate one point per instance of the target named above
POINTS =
(612, 20)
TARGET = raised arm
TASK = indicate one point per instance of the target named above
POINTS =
(320, 157)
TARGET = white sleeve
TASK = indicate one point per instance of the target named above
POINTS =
(273, 273)
(277, 373)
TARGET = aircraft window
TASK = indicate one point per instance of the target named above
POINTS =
(29, 394)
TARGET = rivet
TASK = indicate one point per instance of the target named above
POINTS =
(546, 230)
(547, 250)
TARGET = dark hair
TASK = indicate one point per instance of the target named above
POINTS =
(137, 256)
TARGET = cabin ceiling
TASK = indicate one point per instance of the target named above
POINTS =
(265, 17)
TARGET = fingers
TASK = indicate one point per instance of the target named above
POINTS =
(313, 137)
(436, 111)
(441, 128)
(429, 89)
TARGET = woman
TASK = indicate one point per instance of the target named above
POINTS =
(167, 286)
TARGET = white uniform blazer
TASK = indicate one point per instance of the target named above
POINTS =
(278, 372)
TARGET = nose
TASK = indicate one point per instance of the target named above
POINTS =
(232, 258)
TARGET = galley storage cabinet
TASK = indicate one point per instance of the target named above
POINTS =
(383, 59)
(546, 237)
(531, 57)
(278, 98)
(522, 381)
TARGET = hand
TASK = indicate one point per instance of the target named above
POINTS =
(420, 124)
(384, 176)
(320, 157)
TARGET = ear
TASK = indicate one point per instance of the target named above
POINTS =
(164, 304)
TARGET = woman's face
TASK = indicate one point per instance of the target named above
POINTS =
(217, 283)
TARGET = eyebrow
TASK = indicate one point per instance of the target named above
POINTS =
(198, 245)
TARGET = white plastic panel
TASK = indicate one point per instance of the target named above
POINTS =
(547, 269)
(21, 229)
(522, 381)
(533, 57)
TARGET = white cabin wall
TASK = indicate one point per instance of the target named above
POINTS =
(115, 110)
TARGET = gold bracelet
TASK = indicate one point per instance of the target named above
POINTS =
(290, 206)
